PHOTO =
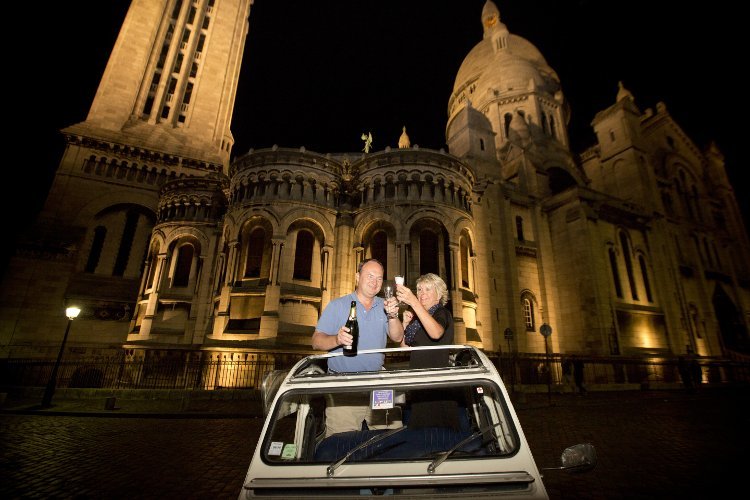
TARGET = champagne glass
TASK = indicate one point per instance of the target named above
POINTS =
(399, 281)
(389, 291)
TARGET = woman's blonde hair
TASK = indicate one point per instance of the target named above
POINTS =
(437, 282)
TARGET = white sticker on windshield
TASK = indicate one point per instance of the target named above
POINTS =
(382, 399)
(275, 448)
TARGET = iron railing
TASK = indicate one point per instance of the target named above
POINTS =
(528, 370)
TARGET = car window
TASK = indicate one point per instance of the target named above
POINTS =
(323, 425)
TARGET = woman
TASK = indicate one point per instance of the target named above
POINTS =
(428, 322)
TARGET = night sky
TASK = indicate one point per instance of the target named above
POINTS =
(320, 73)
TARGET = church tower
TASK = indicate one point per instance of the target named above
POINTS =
(162, 111)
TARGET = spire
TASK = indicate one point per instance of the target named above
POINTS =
(493, 28)
(622, 92)
(403, 141)
(490, 16)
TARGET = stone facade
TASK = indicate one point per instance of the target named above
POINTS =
(635, 246)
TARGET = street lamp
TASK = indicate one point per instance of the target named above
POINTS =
(546, 331)
(72, 313)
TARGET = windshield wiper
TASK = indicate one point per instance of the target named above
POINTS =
(443, 456)
(331, 468)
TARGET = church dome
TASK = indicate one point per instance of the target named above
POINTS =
(502, 64)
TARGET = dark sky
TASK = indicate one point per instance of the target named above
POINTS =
(319, 73)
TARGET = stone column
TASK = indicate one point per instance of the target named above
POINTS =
(231, 263)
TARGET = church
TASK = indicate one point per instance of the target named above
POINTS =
(170, 246)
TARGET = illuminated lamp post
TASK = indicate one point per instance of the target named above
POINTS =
(72, 313)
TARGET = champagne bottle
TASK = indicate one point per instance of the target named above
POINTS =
(353, 326)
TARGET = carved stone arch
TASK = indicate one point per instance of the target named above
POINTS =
(113, 224)
(315, 217)
(182, 272)
(158, 239)
(254, 247)
(429, 244)
(428, 213)
(375, 218)
(464, 224)
(466, 255)
(305, 241)
(146, 201)
(274, 173)
(674, 162)
(252, 221)
(308, 224)
(415, 174)
(239, 219)
(184, 236)
(187, 232)
(379, 237)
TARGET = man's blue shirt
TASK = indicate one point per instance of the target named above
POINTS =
(373, 332)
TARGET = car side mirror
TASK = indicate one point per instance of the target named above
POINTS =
(577, 458)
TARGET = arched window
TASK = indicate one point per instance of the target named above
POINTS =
(528, 313)
(303, 256)
(379, 249)
(255, 245)
(644, 274)
(153, 263)
(615, 272)
(183, 266)
(695, 320)
(100, 233)
(126, 242)
(519, 228)
(628, 265)
(222, 268)
(464, 249)
(428, 253)
(508, 119)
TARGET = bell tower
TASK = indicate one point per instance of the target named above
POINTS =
(162, 111)
(171, 79)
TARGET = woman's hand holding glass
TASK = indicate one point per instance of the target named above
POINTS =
(405, 295)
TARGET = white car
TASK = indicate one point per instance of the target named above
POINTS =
(448, 432)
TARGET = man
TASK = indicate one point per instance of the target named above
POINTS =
(374, 325)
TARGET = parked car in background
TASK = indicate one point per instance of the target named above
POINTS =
(448, 432)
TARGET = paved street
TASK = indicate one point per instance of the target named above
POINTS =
(657, 444)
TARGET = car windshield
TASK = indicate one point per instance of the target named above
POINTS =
(330, 417)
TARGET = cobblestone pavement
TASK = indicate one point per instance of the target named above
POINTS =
(651, 444)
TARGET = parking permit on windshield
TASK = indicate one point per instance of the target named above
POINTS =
(381, 399)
